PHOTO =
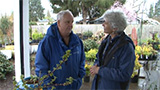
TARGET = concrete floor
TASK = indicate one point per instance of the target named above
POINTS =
(133, 86)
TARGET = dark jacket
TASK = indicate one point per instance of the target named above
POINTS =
(50, 52)
(119, 69)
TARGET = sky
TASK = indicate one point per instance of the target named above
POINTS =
(129, 4)
(7, 6)
(46, 4)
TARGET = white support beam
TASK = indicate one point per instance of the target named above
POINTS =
(21, 46)
(17, 40)
(26, 38)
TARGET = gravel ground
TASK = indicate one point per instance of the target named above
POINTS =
(7, 84)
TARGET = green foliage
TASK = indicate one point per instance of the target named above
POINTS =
(38, 81)
(91, 54)
(89, 44)
(5, 66)
(155, 41)
(89, 8)
(5, 25)
(66, 4)
(30, 32)
(154, 11)
(87, 34)
(37, 36)
(103, 5)
(2, 36)
(151, 12)
(157, 8)
(36, 10)
(32, 23)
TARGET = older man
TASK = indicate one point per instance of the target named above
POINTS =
(58, 40)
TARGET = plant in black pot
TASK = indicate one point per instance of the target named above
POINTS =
(87, 76)
(135, 74)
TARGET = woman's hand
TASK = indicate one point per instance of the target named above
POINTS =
(94, 70)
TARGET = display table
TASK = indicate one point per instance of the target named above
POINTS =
(151, 73)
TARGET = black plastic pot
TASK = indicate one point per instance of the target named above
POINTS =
(86, 78)
(135, 79)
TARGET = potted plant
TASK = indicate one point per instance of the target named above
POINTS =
(153, 54)
(91, 55)
(135, 74)
(87, 76)
(138, 50)
(146, 49)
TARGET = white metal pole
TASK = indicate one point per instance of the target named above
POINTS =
(26, 38)
(17, 40)
(21, 47)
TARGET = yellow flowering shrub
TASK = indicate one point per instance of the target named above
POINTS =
(138, 49)
(136, 67)
(91, 54)
(147, 50)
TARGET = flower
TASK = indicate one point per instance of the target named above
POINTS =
(91, 54)
(87, 67)
(147, 50)
(138, 50)
(136, 67)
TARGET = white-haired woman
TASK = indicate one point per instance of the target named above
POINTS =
(115, 58)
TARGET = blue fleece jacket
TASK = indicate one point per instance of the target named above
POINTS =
(50, 52)
(119, 69)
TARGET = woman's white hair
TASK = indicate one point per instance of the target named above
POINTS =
(62, 13)
(116, 19)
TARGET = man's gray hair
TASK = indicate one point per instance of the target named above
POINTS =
(116, 19)
(62, 13)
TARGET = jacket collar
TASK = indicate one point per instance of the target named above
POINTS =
(54, 31)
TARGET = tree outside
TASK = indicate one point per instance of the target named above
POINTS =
(6, 29)
(35, 10)
(155, 11)
(88, 8)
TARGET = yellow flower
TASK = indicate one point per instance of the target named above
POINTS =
(136, 67)
(138, 49)
(146, 50)
(87, 67)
